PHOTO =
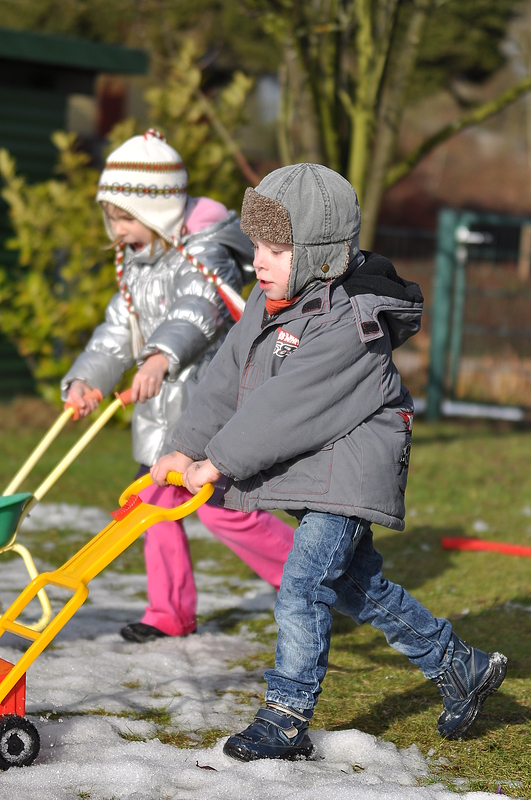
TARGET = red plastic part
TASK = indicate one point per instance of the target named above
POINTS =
(465, 543)
(125, 397)
(15, 702)
(132, 502)
(73, 403)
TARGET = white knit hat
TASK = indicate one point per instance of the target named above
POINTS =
(146, 178)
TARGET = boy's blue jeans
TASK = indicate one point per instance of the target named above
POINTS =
(333, 564)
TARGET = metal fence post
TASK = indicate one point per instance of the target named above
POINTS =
(441, 311)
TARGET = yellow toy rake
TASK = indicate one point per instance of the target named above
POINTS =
(19, 738)
(14, 507)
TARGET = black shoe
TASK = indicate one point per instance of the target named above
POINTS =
(140, 632)
(276, 732)
(471, 677)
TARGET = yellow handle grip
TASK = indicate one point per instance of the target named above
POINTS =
(175, 479)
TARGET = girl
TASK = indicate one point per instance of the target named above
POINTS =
(169, 320)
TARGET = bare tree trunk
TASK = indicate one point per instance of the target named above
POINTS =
(373, 44)
(315, 58)
(389, 116)
(362, 111)
(285, 113)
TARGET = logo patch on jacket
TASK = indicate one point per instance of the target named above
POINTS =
(407, 416)
(286, 343)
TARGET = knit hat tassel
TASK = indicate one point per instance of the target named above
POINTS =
(137, 340)
(234, 302)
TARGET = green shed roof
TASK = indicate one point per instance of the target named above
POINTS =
(66, 51)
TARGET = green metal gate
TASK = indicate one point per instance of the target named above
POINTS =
(481, 308)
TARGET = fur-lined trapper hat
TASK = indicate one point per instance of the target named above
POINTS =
(313, 208)
(146, 178)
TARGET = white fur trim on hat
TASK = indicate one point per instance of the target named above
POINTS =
(146, 178)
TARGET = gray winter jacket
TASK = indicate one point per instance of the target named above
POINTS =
(180, 315)
(306, 410)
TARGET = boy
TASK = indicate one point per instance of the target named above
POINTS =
(303, 409)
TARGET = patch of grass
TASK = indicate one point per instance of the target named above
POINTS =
(235, 620)
(186, 740)
(202, 738)
(264, 626)
(254, 663)
(158, 716)
(131, 737)
(241, 697)
(226, 620)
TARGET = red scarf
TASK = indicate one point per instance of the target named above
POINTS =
(274, 307)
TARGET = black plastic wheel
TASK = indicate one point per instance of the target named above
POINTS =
(19, 741)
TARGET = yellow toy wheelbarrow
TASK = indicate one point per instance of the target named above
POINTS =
(14, 507)
(19, 738)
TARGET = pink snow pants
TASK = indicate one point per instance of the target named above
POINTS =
(258, 538)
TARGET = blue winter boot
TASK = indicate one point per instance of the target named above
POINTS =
(465, 686)
(277, 732)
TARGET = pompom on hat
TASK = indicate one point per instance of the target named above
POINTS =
(146, 178)
(313, 208)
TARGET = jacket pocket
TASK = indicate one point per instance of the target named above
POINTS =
(306, 475)
(386, 447)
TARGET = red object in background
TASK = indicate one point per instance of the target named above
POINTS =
(111, 94)
(464, 543)
(15, 702)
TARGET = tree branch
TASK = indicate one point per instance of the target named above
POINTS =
(404, 167)
(223, 133)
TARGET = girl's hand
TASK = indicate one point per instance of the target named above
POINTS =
(76, 395)
(148, 379)
(173, 462)
(199, 473)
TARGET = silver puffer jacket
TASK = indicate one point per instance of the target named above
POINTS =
(180, 315)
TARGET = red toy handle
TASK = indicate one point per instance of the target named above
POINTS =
(124, 397)
(73, 403)
(465, 543)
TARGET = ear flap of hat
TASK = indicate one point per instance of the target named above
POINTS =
(265, 218)
(320, 262)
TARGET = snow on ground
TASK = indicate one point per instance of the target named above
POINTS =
(89, 667)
